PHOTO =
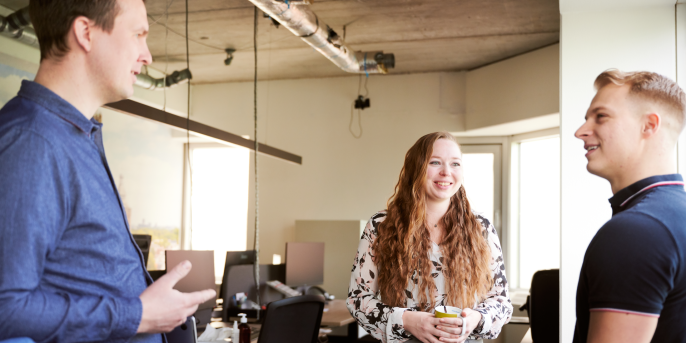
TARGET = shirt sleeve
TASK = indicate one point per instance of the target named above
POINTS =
(34, 212)
(496, 308)
(630, 265)
(383, 322)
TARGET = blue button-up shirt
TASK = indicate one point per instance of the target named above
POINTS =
(70, 270)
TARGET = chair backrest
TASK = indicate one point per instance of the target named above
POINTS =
(544, 306)
(293, 320)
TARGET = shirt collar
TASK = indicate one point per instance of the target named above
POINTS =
(622, 199)
(54, 103)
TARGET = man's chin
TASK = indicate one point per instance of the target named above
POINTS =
(595, 170)
(122, 94)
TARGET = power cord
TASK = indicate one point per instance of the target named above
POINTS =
(359, 109)
(359, 120)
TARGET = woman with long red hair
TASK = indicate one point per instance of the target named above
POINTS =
(429, 249)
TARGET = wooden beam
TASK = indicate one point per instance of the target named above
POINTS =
(145, 111)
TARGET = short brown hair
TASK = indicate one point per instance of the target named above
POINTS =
(52, 20)
(652, 87)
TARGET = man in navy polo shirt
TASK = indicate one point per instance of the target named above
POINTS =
(632, 286)
(70, 270)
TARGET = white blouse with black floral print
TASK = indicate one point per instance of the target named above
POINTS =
(385, 322)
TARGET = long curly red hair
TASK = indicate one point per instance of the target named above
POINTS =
(403, 242)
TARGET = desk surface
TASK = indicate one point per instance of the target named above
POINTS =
(337, 314)
(527, 337)
(519, 320)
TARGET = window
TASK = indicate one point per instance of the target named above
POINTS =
(534, 208)
(219, 200)
(481, 165)
(146, 162)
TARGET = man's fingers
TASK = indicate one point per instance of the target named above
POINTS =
(175, 274)
(200, 297)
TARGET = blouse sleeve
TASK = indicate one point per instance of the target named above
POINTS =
(496, 308)
(380, 320)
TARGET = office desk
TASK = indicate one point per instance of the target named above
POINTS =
(336, 314)
(519, 320)
(527, 337)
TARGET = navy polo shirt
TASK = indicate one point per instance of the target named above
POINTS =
(636, 263)
(70, 270)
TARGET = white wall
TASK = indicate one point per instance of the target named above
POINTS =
(347, 178)
(341, 177)
(593, 40)
(518, 88)
(681, 75)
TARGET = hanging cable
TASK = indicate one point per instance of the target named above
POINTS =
(359, 111)
(359, 120)
(166, 53)
(188, 134)
(256, 243)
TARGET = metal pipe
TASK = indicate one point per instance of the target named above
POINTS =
(299, 19)
(177, 77)
(16, 26)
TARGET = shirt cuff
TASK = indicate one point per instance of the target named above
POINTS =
(127, 318)
(395, 320)
(487, 322)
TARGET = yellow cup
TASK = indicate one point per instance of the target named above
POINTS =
(447, 311)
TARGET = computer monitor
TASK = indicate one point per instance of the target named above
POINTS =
(304, 263)
(200, 277)
(235, 258)
(144, 242)
(241, 278)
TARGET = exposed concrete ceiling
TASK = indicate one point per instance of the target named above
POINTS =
(424, 35)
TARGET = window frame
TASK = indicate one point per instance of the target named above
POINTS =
(513, 251)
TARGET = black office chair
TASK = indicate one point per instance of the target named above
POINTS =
(292, 320)
(543, 306)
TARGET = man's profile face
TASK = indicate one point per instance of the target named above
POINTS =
(611, 133)
(120, 54)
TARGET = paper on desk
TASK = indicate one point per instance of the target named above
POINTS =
(211, 334)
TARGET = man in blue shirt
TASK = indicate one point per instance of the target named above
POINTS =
(632, 286)
(70, 270)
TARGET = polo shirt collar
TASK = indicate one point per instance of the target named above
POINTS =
(54, 103)
(622, 199)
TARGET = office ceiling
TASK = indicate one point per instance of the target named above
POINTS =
(424, 35)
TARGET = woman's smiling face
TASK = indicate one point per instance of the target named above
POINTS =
(444, 173)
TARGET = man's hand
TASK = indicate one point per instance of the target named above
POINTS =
(608, 327)
(422, 325)
(165, 308)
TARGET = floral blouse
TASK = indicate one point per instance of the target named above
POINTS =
(385, 322)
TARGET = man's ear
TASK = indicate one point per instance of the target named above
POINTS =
(652, 123)
(82, 31)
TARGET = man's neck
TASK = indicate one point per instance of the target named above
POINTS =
(72, 84)
(662, 165)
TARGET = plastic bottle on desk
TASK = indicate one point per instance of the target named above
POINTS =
(235, 334)
(244, 329)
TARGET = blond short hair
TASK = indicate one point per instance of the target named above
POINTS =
(651, 87)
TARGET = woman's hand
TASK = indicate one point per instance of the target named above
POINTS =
(454, 326)
(422, 325)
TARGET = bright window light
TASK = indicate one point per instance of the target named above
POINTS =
(478, 182)
(539, 207)
(220, 201)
